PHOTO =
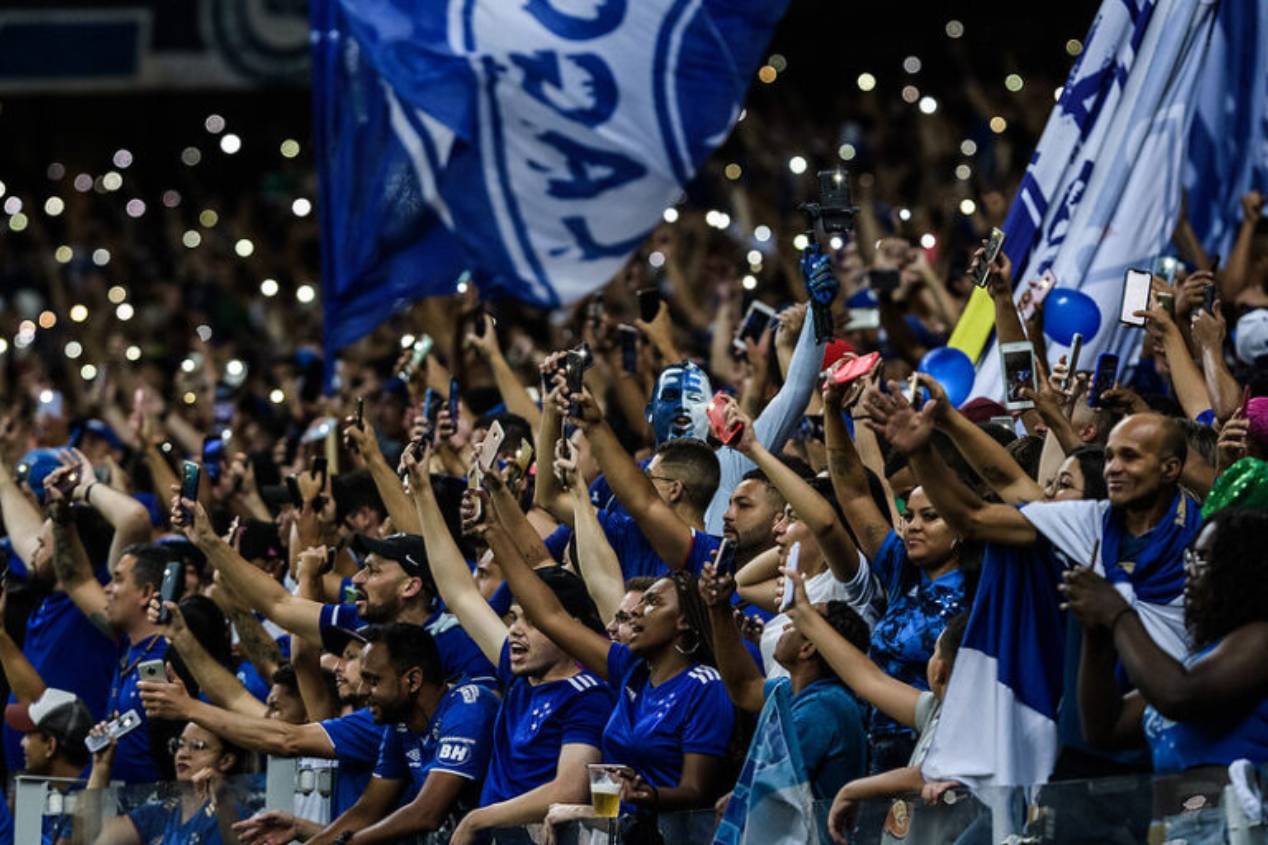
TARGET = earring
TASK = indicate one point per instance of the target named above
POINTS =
(687, 652)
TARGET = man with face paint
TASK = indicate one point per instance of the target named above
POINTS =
(678, 408)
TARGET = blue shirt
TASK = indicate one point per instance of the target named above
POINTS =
(69, 653)
(1236, 733)
(252, 680)
(653, 727)
(356, 739)
(535, 722)
(632, 548)
(134, 759)
(829, 725)
(159, 823)
(460, 657)
(458, 741)
(918, 609)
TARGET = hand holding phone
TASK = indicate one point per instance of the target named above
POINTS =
(726, 434)
(790, 588)
(190, 472)
(648, 304)
(724, 560)
(993, 245)
(1103, 378)
(1137, 288)
(170, 590)
(1020, 372)
(490, 447)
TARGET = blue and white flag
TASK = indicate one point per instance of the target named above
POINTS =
(537, 142)
(1102, 191)
(772, 803)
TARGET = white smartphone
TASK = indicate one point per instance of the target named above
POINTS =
(794, 555)
(491, 446)
(1018, 361)
(152, 670)
(756, 319)
(1136, 288)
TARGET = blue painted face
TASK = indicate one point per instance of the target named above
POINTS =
(679, 405)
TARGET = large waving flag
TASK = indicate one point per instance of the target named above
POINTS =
(534, 141)
(772, 803)
(1102, 191)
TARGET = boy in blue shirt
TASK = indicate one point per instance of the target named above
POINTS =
(436, 738)
(827, 718)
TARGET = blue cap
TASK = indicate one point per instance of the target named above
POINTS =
(97, 427)
(35, 466)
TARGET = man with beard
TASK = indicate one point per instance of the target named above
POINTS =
(393, 585)
(435, 748)
(551, 722)
(750, 518)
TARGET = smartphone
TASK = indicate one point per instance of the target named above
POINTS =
(1166, 267)
(629, 348)
(717, 421)
(1137, 285)
(1076, 348)
(189, 484)
(756, 319)
(454, 387)
(648, 304)
(67, 483)
(1006, 422)
(115, 729)
(724, 560)
(1208, 299)
(835, 211)
(993, 244)
(574, 371)
(915, 394)
(171, 589)
(360, 412)
(594, 310)
(419, 352)
(856, 368)
(152, 671)
(1018, 361)
(320, 468)
(292, 490)
(794, 555)
(1103, 378)
(883, 282)
(1167, 302)
(491, 446)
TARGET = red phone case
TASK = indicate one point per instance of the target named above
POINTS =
(717, 421)
(856, 368)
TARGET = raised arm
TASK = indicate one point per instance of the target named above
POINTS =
(215, 681)
(449, 569)
(811, 508)
(547, 493)
(361, 440)
(128, 517)
(669, 536)
(596, 558)
(73, 569)
(1236, 275)
(758, 579)
(542, 606)
(320, 702)
(783, 412)
(743, 681)
(22, 520)
(848, 478)
(253, 585)
(24, 680)
(909, 431)
(1221, 387)
(889, 695)
(1186, 378)
(512, 391)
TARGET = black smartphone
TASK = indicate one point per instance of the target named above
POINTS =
(431, 410)
(292, 490)
(360, 412)
(724, 561)
(172, 588)
(835, 211)
(479, 321)
(1103, 378)
(1208, 299)
(574, 371)
(883, 282)
(454, 387)
(648, 304)
(1076, 348)
(320, 468)
(993, 244)
(629, 348)
(189, 483)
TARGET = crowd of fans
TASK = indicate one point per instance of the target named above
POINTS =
(449, 584)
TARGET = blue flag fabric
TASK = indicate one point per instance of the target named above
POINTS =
(772, 803)
(1102, 191)
(536, 142)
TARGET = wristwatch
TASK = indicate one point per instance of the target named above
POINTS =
(344, 838)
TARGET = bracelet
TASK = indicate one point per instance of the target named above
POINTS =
(1118, 616)
(88, 492)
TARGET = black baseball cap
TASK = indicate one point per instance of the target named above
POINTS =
(406, 549)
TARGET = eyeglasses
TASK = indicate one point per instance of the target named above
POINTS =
(1194, 559)
(175, 744)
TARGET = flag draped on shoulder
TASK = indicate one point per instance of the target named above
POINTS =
(535, 141)
(772, 803)
(1102, 191)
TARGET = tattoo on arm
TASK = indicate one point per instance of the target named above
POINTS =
(256, 643)
(65, 560)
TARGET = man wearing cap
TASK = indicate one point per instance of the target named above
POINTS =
(53, 727)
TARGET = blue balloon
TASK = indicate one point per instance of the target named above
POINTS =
(952, 369)
(1069, 312)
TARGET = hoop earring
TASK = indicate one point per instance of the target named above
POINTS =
(695, 646)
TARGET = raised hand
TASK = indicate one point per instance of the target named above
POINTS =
(891, 416)
(715, 587)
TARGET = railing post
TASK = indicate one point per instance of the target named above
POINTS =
(279, 785)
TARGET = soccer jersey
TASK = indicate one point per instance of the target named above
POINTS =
(134, 759)
(159, 823)
(653, 727)
(535, 722)
(632, 547)
(829, 724)
(456, 741)
(919, 608)
(356, 739)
